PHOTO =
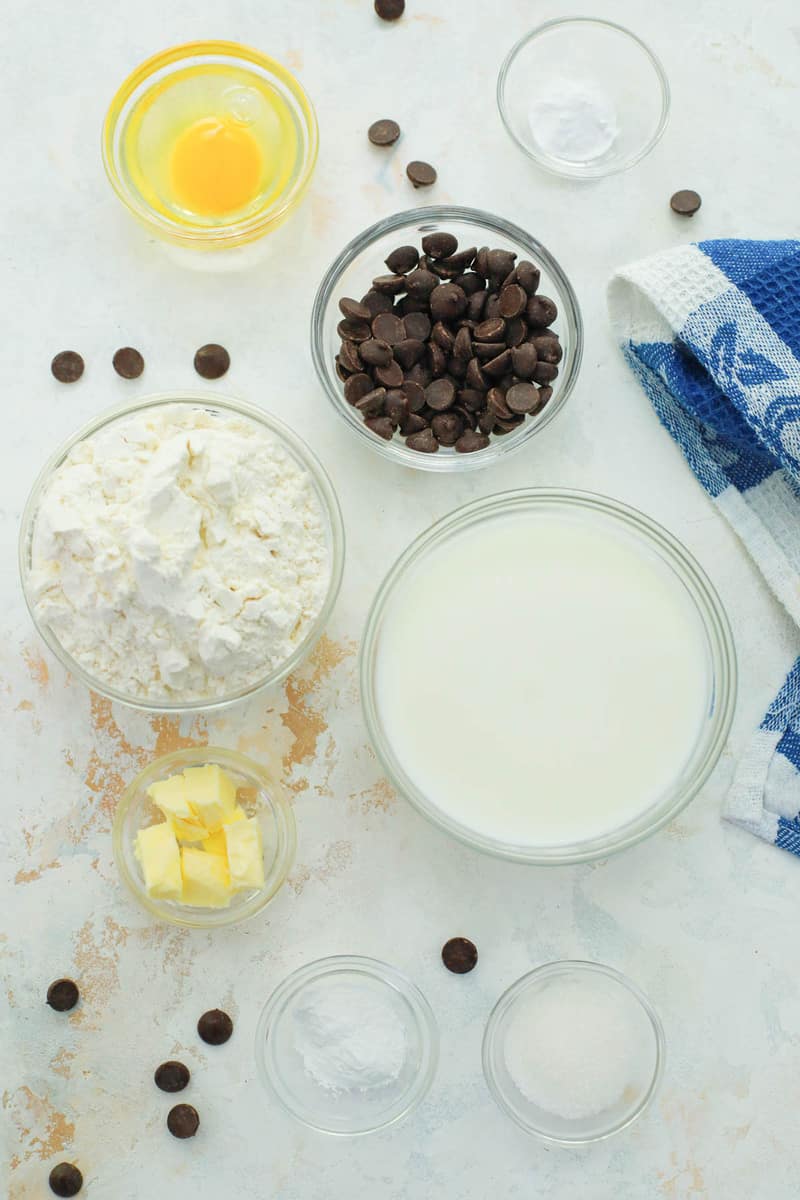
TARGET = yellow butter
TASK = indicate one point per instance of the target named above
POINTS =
(245, 854)
(215, 842)
(211, 794)
(206, 880)
(170, 796)
(159, 854)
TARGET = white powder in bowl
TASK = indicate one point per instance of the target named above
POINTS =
(178, 554)
(573, 121)
(350, 1038)
(573, 1046)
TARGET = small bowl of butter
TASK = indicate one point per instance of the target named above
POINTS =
(204, 838)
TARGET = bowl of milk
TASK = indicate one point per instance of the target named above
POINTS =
(548, 675)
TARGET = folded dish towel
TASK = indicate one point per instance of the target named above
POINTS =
(712, 332)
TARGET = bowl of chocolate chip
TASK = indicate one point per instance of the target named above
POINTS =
(446, 337)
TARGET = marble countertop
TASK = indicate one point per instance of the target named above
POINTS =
(702, 916)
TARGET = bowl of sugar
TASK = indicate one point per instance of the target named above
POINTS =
(573, 1052)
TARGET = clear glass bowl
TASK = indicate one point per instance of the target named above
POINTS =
(579, 60)
(647, 1046)
(346, 1112)
(721, 668)
(214, 404)
(259, 796)
(148, 81)
(351, 275)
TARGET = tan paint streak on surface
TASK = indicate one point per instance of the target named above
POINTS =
(24, 706)
(336, 860)
(169, 737)
(381, 797)
(304, 718)
(96, 963)
(69, 758)
(324, 213)
(43, 1131)
(294, 59)
(36, 872)
(37, 667)
(61, 1063)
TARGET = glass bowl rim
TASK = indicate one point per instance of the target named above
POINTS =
(267, 786)
(396, 451)
(568, 966)
(545, 161)
(712, 616)
(377, 969)
(291, 441)
(238, 232)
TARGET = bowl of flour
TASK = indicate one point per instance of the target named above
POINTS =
(182, 552)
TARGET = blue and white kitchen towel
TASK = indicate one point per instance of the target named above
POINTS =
(712, 332)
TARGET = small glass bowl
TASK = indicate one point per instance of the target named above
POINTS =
(258, 795)
(653, 540)
(219, 405)
(646, 1029)
(346, 1112)
(351, 275)
(148, 81)
(604, 61)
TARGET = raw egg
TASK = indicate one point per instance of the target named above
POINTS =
(216, 167)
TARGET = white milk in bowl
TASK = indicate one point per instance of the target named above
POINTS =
(541, 676)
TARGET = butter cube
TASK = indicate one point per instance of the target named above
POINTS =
(245, 854)
(159, 854)
(206, 880)
(211, 794)
(215, 842)
(170, 796)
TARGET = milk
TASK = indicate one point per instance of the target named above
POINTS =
(542, 678)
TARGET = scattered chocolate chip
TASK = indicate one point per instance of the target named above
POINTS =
(415, 395)
(522, 398)
(439, 245)
(443, 337)
(128, 363)
(172, 1076)
(183, 1121)
(67, 366)
(212, 361)
(63, 995)
(421, 174)
(459, 955)
(424, 441)
(215, 1027)
(383, 133)
(402, 260)
(497, 367)
(685, 203)
(350, 358)
(390, 10)
(412, 423)
(470, 441)
(354, 310)
(65, 1180)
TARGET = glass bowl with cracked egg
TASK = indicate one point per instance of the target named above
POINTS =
(257, 797)
(182, 553)
(364, 258)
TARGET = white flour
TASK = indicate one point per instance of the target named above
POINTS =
(349, 1039)
(573, 121)
(179, 555)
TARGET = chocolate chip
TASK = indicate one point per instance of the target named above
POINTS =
(470, 283)
(354, 310)
(390, 10)
(183, 1121)
(420, 374)
(500, 263)
(383, 133)
(212, 361)
(475, 377)
(459, 955)
(408, 352)
(491, 330)
(356, 387)
(65, 1180)
(371, 403)
(516, 331)
(341, 371)
(486, 421)
(382, 426)
(67, 366)
(470, 441)
(172, 1076)
(414, 394)
(443, 337)
(128, 363)
(375, 353)
(454, 264)
(541, 310)
(439, 245)
(421, 174)
(424, 441)
(390, 285)
(440, 394)
(527, 276)
(548, 348)
(437, 360)
(685, 203)
(524, 359)
(350, 358)
(448, 302)
(396, 406)
(496, 404)
(545, 372)
(63, 995)
(486, 350)
(215, 1027)
(447, 428)
(471, 399)
(513, 300)
(402, 260)
(421, 283)
(418, 326)
(497, 367)
(388, 328)
(376, 302)
(544, 395)
(522, 398)
(476, 305)
(390, 375)
(412, 423)
(462, 347)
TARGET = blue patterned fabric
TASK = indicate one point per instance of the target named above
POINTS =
(712, 332)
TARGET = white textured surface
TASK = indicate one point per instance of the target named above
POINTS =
(702, 916)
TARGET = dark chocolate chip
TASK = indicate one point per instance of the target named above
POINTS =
(470, 441)
(65, 1179)
(375, 353)
(544, 395)
(353, 331)
(447, 428)
(418, 326)
(183, 1121)
(500, 264)
(389, 376)
(462, 347)
(212, 361)
(402, 260)
(354, 310)
(439, 245)
(341, 371)
(67, 366)
(524, 359)
(383, 426)
(516, 331)
(470, 283)
(440, 394)
(408, 352)
(448, 302)
(350, 358)
(437, 359)
(491, 330)
(527, 276)
(685, 203)
(376, 302)
(513, 300)
(371, 403)
(412, 423)
(496, 404)
(63, 995)
(486, 350)
(172, 1076)
(456, 263)
(356, 387)
(475, 377)
(456, 367)
(415, 395)
(442, 336)
(541, 310)
(421, 283)
(421, 174)
(420, 374)
(388, 328)
(486, 421)
(215, 1027)
(390, 285)
(459, 955)
(545, 372)
(496, 368)
(548, 348)
(522, 398)
(390, 10)
(471, 399)
(396, 406)
(384, 132)
(476, 305)
(424, 441)
(128, 362)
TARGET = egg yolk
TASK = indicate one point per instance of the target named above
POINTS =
(216, 167)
